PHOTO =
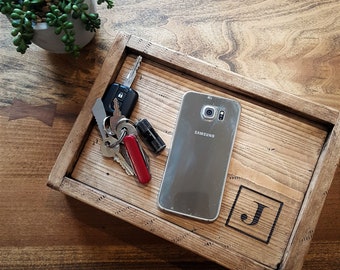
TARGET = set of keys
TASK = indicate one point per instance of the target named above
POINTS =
(120, 135)
(120, 142)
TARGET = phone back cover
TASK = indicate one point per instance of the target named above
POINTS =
(198, 161)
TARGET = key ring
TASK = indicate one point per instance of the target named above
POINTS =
(109, 132)
(106, 127)
(120, 139)
(124, 119)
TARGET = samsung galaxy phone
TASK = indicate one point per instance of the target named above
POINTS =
(197, 165)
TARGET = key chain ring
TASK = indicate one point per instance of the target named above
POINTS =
(107, 127)
(127, 124)
(120, 139)
(126, 120)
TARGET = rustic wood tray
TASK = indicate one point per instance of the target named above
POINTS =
(285, 155)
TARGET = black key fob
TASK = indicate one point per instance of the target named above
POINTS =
(127, 99)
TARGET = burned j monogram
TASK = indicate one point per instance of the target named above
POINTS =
(254, 214)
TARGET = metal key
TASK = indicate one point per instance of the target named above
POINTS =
(108, 150)
(116, 117)
(109, 146)
(127, 97)
(132, 74)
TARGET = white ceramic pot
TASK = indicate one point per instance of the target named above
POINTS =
(45, 38)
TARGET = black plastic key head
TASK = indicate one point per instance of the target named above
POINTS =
(127, 99)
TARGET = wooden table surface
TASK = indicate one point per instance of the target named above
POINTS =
(292, 46)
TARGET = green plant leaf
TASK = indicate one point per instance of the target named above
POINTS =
(35, 2)
(83, 17)
(16, 23)
(29, 14)
(68, 8)
(27, 23)
(68, 25)
(71, 39)
(93, 16)
(6, 9)
(64, 39)
(75, 7)
(18, 11)
(84, 7)
(51, 16)
(58, 30)
(14, 32)
(22, 48)
(15, 16)
(17, 40)
(63, 18)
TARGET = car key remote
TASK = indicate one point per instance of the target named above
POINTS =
(126, 96)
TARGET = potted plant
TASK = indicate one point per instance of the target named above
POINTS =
(63, 19)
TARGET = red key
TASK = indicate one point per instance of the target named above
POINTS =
(137, 160)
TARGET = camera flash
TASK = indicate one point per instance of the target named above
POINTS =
(221, 115)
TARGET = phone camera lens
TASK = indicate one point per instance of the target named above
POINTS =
(208, 112)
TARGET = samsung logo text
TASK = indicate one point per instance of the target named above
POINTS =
(204, 134)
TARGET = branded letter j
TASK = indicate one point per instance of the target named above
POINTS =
(257, 215)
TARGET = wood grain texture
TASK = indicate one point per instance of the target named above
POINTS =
(289, 45)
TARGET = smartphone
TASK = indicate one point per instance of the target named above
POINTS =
(197, 165)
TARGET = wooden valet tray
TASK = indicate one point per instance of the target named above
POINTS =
(284, 158)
